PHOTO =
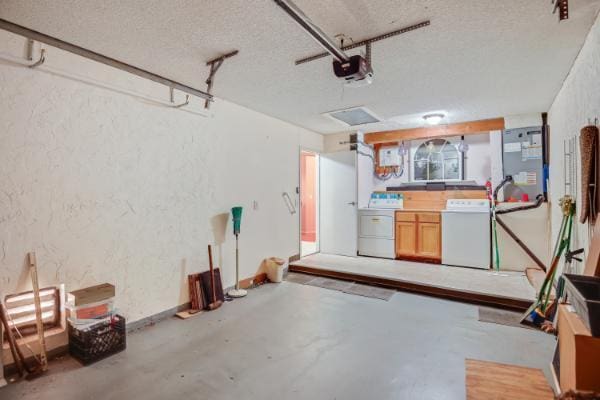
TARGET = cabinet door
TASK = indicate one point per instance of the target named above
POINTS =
(429, 240)
(406, 238)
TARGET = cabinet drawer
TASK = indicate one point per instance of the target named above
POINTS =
(429, 217)
(405, 217)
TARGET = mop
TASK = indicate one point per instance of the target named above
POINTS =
(542, 310)
(236, 212)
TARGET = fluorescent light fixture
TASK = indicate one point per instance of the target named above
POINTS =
(433, 119)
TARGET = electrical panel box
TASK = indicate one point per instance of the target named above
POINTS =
(522, 158)
(389, 157)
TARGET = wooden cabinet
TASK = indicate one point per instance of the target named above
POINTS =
(429, 244)
(406, 238)
(418, 235)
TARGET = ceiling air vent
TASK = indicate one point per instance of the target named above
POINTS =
(354, 116)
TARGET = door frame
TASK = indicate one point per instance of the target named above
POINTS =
(317, 153)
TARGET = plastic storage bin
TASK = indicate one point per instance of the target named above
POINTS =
(98, 341)
(584, 295)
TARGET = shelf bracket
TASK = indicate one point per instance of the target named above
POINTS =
(30, 50)
(214, 65)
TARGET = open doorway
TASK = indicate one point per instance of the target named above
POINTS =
(309, 203)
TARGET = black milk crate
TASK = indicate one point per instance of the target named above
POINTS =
(99, 341)
(584, 295)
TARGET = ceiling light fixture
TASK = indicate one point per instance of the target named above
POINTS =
(433, 119)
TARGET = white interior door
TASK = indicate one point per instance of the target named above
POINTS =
(338, 211)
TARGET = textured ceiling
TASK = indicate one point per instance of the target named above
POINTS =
(478, 59)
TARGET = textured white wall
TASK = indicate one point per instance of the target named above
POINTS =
(105, 187)
(577, 101)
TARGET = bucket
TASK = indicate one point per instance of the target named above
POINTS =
(274, 267)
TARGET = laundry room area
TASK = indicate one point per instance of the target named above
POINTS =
(455, 210)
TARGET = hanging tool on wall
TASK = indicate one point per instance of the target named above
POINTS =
(542, 309)
(588, 144)
(214, 65)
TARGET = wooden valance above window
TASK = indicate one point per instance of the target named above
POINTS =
(460, 129)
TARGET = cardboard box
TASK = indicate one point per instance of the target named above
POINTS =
(579, 353)
(91, 294)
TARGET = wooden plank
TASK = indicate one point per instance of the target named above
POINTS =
(38, 311)
(504, 302)
(255, 280)
(188, 313)
(489, 380)
(460, 129)
(579, 353)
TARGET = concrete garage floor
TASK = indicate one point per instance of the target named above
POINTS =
(295, 341)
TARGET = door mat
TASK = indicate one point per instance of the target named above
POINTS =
(357, 289)
(332, 284)
(373, 292)
(501, 317)
(299, 278)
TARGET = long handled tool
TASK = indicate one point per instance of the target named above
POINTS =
(38, 312)
(12, 344)
(215, 303)
(237, 221)
(541, 310)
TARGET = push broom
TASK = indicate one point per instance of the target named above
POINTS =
(236, 212)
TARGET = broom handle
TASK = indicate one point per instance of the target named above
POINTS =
(11, 341)
(237, 264)
(212, 276)
(38, 311)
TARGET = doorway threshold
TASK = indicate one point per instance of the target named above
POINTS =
(508, 289)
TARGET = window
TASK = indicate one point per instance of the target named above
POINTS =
(436, 160)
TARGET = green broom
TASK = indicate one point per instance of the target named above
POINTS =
(236, 212)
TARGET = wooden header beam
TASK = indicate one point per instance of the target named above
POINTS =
(463, 128)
